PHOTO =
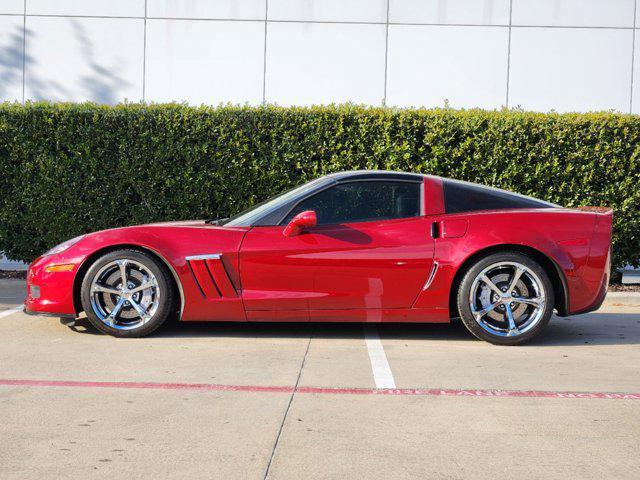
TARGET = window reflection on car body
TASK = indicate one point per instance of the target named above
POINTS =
(217, 221)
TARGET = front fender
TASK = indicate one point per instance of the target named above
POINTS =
(171, 244)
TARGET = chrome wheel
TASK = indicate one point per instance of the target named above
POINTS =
(124, 294)
(507, 299)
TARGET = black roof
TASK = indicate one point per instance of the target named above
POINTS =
(375, 175)
(458, 196)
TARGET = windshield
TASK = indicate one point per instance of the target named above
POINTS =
(248, 216)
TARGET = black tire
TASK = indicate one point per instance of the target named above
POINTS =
(464, 298)
(166, 304)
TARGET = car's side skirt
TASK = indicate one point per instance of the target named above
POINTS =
(364, 315)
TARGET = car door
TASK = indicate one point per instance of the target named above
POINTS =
(371, 249)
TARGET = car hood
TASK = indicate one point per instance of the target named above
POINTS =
(178, 223)
(159, 229)
(183, 236)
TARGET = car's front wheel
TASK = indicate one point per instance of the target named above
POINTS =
(127, 293)
(505, 298)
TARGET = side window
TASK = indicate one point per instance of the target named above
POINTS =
(361, 202)
(469, 197)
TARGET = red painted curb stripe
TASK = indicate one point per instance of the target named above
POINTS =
(145, 385)
(438, 392)
(442, 392)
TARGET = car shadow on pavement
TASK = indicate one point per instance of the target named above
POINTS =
(591, 329)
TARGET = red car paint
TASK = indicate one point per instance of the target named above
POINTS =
(378, 271)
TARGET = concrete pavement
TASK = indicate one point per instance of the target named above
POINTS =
(12, 293)
(224, 404)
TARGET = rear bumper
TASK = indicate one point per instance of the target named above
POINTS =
(597, 303)
(602, 291)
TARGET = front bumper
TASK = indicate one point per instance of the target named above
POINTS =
(55, 296)
(47, 314)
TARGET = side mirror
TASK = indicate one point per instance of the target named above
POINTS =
(299, 223)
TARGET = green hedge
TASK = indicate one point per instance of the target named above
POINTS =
(66, 169)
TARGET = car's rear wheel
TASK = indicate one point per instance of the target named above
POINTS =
(127, 293)
(505, 298)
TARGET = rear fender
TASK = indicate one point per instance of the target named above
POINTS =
(549, 232)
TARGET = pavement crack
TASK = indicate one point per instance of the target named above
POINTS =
(286, 412)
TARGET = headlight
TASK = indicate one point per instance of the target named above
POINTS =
(64, 245)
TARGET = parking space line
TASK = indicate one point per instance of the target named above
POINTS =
(382, 374)
(11, 311)
(429, 392)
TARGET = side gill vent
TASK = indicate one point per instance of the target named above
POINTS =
(211, 276)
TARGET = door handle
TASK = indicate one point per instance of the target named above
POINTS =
(435, 229)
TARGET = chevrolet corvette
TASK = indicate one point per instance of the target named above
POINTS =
(361, 246)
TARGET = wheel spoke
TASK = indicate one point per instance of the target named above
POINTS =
(490, 284)
(113, 315)
(513, 329)
(144, 286)
(519, 295)
(101, 288)
(123, 272)
(117, 305)
(141, 311)
(536, 302)
(481, 313)
(516, 278)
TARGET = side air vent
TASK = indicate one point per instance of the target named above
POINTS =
(211, 276)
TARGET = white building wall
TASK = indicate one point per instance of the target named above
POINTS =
(565, 55)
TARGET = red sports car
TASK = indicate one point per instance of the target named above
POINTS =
(364, 246)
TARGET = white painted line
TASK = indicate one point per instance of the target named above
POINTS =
(11, 311)
(379, 364)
